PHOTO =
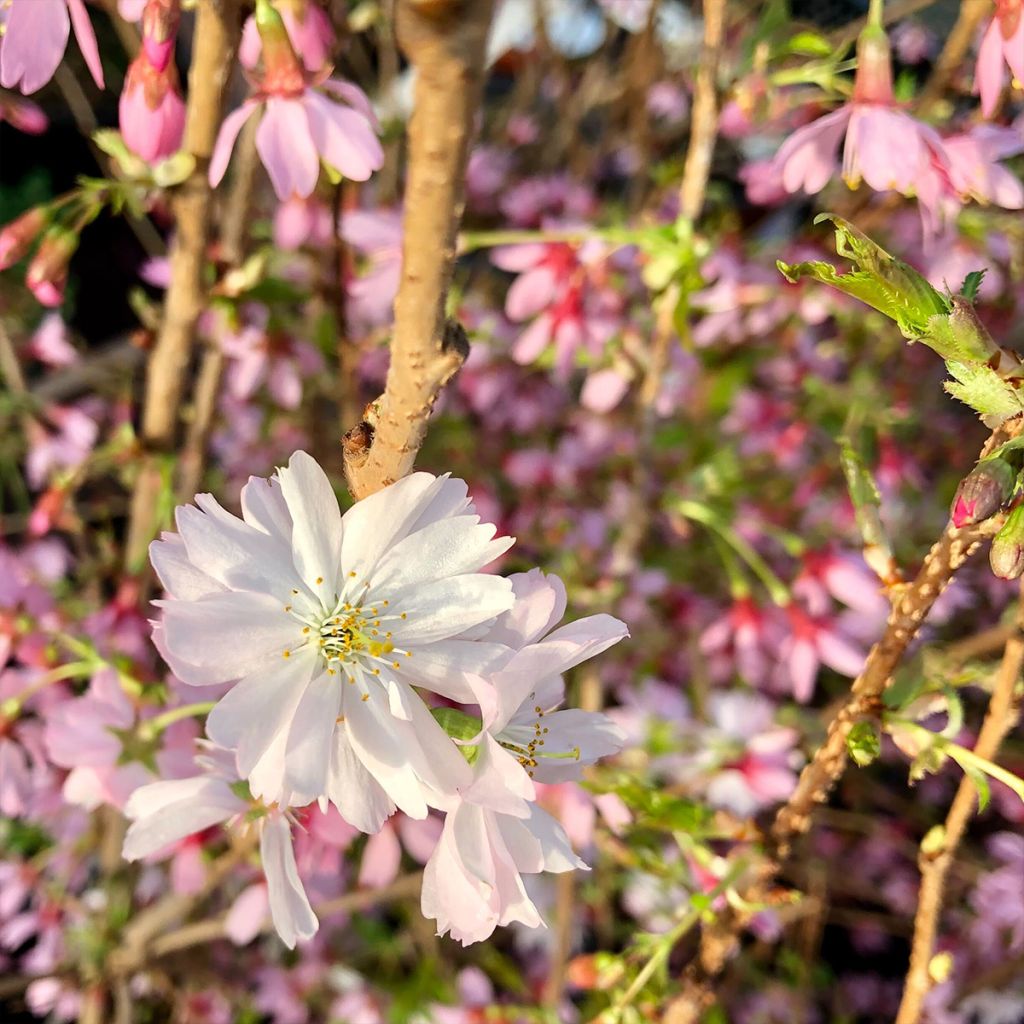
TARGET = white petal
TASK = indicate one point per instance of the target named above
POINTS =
(264, 507)
(233, 552)
(180, 578)
(449, 547)
(160, 818)
(500, 783)
(308, 755)
(316, 523)
(231, 633)
(251, 714)
(353, 790)
(446, 667)
(540, 605)
(539, 843)
(378, 522)
(591, 733)
(445, 608)
(290, 911)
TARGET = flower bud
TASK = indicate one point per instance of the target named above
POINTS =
(1007, 553)
(282, 70)
(159, 28)
(983, 492)
(151, 112)
(17, 237)
(48, 272)
(873, 81)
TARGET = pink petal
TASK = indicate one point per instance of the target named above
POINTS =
(86, 40)
(34, 40)
(225, 143)
(343, 137)
(286, 148)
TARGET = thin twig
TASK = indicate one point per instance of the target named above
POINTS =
(350, 903)
(1002, 715)
(211, 365)
(215, 40)
(958, 42)
(892, 12)
(446, 47)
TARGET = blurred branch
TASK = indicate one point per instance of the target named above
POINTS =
(215, 39)
(444, 42)
(909, 611)
(350, 903)
(958, 42)
(1002, 715)
(211, 366)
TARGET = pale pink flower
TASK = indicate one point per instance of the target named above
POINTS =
(326, 620)
(472, 884)
(846, 578)
(299, 222)
(974, 164)
(747, 638)
(163, 813)
(131, 10)
(49, 342)
(69, 446)
(35, 37)
(886, 148)
(1002, 46)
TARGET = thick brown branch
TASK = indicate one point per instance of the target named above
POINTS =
(444, 41)
(1003, 712)
(214, 41)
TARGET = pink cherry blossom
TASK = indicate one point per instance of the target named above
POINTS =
(376, 235)
(811, 643)
(309, 29)
(1002, 46)
(35, 37)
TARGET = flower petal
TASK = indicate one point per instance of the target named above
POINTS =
(290, 911)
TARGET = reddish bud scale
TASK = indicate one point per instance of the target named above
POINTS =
(283, 73)
(159, 29)
(873, 81)
(1008, 14)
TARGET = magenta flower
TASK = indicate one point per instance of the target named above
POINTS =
(35, 37)
(1002, 46)
(813, 641)
(302, 121)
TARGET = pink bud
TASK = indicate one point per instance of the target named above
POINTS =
(17, 237)
(48, 272)
(151, 111)
(159, 28)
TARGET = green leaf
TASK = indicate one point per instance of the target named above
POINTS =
(864, 743)
(810, 44)
(980, 387)
(972, 282)
(879, 279)
(980, 780)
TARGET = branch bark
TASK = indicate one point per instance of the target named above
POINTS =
(215, 39)
(444, 41)
(1003, 713)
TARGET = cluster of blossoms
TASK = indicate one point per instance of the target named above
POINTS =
(328, 627)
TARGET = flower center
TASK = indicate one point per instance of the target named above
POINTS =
(349, 634)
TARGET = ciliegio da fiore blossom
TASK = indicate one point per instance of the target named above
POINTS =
(374, 667)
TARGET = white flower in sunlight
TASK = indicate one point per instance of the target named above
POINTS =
(164, 813)
(324, 620)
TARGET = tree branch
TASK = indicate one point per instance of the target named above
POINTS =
(1002, 715)
(215, 39)
(444, 40)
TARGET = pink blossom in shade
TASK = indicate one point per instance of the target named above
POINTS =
(35, 37)
(974, 164)
(747, 637)
(258, 356)
(49, 342)
(748, 760)
(247, 913)
(830, 574)
(811, 643)
(54, 999)
(309, 29)
(377, 236)
(65, 448)
(603, 390)
(913, 42)
(1002, 46)
(131, 10)
(333, 123)
(302, 222)
(23, 115)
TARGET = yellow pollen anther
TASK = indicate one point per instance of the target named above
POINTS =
(386, 602)
(331, 672)
(352, 575)
(351, 679)
(408, 654)
(287, 654)
(287, 607)
(366, 696)
(305, 629)
(319, 580)
(395, 664)
(403, 616)
(295, 592)
(376, 671)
